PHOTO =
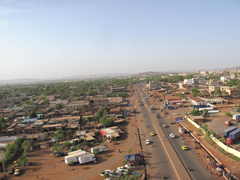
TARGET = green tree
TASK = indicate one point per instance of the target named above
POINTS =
(59, 134)
(45, 101)
(228, 114)
(204, 126)
(32, 114)
(195, 112)
(95, 151)
(106, 122)
(59, 106)
(238, 109)
(205, 113)
(180, 95)
(195, 92)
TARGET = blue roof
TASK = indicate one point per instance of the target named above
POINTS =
(29, 120)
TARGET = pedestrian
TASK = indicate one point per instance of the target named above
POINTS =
(149, 165)
(119, 150)
(207, 166)
(37, 176)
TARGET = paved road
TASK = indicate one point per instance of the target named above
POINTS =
(158, 163)
(189, 158)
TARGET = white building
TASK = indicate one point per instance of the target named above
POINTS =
(188, 81)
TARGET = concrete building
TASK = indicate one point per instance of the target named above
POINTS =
(213, 88)
(189, 82)
(196, 101)
(153, 85)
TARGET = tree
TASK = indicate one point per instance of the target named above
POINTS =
(205, 113)
(180, 95)
(95, 151)
(45, 101)
(195, 92)
(228, 114)
(195, 112)
(59, 134)
(204, 126)
(106, 122)
(59, 106)
(238, 109)
(32, 114)
(26, 145)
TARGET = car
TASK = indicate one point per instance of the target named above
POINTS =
(152, 133)
(122, 168)
(17, 172)
(129, 166)
(11, 171)
(147, 141)
(102, 173)
(184, 147)
(172, 136)
(164, 125)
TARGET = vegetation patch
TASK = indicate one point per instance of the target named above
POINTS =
(235, 158)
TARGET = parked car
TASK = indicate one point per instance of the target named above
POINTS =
(152, 133)
(147, 141)
(164, 125)
(102, 173)
(11, 171)
(17, 172)
(172, 136)
(184, 147)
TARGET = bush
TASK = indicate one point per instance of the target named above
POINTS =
(204, 126)
(235, 158)
(71, 163)
(222, 151)
(228, 114)
(195, 112)
(95, 151)
(222, 139)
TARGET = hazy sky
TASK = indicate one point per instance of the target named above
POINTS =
(58, 38)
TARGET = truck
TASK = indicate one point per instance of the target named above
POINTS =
(73, 158)
(100, 148)
(75, 152)
(233, 136)
(87, 158)
(236, 117)
(226, 132)
(181, 130)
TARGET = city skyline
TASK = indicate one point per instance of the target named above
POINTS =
(48, 40)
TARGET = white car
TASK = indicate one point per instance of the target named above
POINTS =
(172, 136)
(147, 141)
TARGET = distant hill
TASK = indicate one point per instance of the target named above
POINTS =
(32, 80)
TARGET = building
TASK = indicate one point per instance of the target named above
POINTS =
(213, 88)
(63, 102)
(197, 101)
(153, 85)
(189, 82)
(110, 132)
(223, 78)
(75, 106)
(118, 89)
(197, 119)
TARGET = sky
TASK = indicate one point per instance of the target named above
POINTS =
(60, 38)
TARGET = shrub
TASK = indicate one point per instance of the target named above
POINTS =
(228, 114)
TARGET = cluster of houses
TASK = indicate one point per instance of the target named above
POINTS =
(73, 115)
